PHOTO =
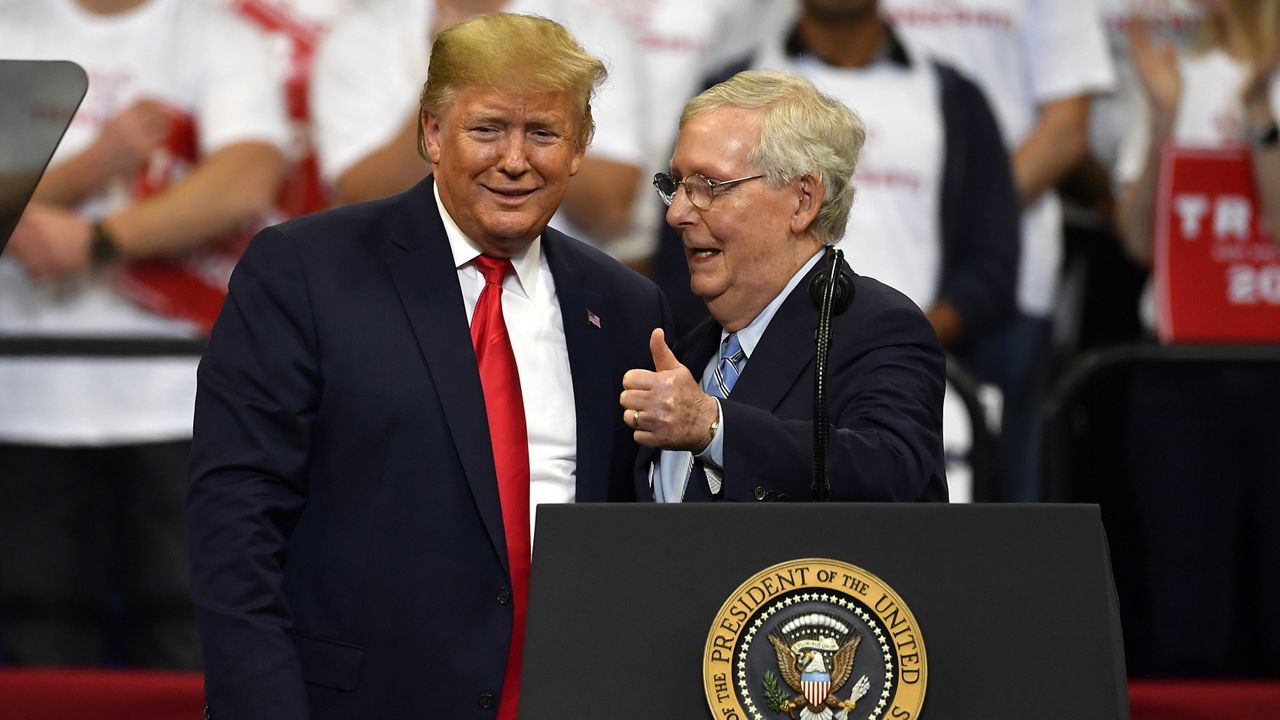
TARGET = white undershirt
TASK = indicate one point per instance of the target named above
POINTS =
(532, 314)
(1023, 54)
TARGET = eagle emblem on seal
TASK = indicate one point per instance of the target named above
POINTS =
(815, 655)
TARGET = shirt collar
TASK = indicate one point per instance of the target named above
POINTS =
(526, 262)
(750, 335)
(891, 49)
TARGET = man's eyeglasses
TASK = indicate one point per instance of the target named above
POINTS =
(700, 191)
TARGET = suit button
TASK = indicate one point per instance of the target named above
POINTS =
(504, 596)
(487, 700)
(759, 493)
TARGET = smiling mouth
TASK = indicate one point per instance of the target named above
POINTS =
(700, 253)
(513, 193)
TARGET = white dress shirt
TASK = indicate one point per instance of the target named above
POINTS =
(532, 314)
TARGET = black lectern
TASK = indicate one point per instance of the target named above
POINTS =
(1015, 603)
(40, 97)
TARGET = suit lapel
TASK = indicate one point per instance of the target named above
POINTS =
(421, 265)
(695, 349)
(586, 315)
(783, 353)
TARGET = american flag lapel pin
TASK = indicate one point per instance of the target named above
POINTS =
(593, 319)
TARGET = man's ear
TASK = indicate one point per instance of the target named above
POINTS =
(808, 199)
(575, 164)
(429, 129)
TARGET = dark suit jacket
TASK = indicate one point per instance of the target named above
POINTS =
(886, 375)
(346, 540)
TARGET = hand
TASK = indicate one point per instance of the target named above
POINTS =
(1157, 67)
(51, 242)
(946, 323)
(129, 138)
(666, 407)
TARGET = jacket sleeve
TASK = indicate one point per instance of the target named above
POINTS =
(258, 388)
(981, 216)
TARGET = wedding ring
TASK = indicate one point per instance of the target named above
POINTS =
(635, 419)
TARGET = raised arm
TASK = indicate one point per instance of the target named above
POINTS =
(1260, 119)
(1157, 68)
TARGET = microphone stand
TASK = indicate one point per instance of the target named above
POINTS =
(832, 298)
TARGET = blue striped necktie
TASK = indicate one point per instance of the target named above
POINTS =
(698, 484)
(732, 360)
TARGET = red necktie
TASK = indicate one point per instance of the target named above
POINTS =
(504, 406)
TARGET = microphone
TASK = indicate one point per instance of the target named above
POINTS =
(831, 292)
(842, 293)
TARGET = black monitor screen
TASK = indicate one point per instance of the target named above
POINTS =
(37, 100)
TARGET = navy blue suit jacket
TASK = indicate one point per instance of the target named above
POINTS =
(886, 374)
(347, 548)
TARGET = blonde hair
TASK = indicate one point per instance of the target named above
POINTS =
(1258, 19)
(802, 131)
(523, 53)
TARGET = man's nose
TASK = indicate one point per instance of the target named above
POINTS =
(514, 159)
(681, 210)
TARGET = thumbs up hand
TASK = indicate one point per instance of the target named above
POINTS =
(665, 406)
(663, 358)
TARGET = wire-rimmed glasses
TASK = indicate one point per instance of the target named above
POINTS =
(700, 191)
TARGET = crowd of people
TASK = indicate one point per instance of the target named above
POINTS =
(1002, 145)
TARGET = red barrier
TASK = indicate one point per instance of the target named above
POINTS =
(75, 694)
(1204, 699)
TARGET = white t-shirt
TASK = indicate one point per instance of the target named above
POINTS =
(369, 71)
(294, 29)
(679, 44)
(178, 51)
(892, 233)
(1210, 113)
(1022, 53)
(1168, 21)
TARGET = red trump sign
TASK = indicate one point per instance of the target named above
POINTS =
(1217, 269)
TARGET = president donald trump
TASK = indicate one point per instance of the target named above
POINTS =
(393, 387)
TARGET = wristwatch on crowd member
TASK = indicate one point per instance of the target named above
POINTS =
(102, 246)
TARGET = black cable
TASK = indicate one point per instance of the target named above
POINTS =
(820, 486)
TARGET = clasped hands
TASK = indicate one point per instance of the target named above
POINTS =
(665, 406)
(51, 242)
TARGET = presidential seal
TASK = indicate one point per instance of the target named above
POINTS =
(814, 639)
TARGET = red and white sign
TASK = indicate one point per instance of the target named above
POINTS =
(191, 285)
(1217, 269)
(300, 32)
